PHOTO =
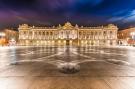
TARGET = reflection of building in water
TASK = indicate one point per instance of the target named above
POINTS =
(68, 35)
(127, 36)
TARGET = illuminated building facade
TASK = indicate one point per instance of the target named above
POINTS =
(127, 36)
(2, 38)
(68, 35)
(8, 36)
(11, 34)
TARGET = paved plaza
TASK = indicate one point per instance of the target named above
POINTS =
(37, 68)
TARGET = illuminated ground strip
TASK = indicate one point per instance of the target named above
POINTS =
(47, 59)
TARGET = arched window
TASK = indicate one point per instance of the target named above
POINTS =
(104, 32)
(51, 33)
(95, 33)
(79, 33)
(24, 32)
(47, 33)
(39, 33)
(91, 33)
(110, 32)
(111, 43)
(43, 33)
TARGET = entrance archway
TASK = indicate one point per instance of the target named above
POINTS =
(67, 42)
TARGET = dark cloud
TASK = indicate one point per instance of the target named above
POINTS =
(52, 12)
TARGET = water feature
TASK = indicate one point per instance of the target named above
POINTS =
(69, 68)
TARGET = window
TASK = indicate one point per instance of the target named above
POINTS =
(35, 33)
(47, 33)
(24, 33)
(79, 33)
(104, 32)
(110, 32)
(51, 33)
(95, 33)
(39, 33)
(43, 33)
(91, 33)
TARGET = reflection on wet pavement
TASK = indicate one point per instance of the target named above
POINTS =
(38, 68)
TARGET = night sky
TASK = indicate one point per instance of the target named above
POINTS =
(54, 12)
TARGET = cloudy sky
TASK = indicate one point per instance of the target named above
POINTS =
(53, 12)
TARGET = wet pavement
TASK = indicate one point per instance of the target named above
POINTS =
(38, 68)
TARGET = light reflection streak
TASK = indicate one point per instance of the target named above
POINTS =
(13, 58)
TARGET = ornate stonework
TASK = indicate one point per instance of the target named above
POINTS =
(68, 35)
(68, 25)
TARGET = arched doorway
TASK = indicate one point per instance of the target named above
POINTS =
(67, 42)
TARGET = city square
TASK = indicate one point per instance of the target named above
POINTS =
(67, 44)
(37, 67)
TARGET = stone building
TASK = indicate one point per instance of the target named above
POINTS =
(11, 34)
(2, 38)
(8, 36)
(68, 35)
(127, 36)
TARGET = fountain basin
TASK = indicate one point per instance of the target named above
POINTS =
(69, 68)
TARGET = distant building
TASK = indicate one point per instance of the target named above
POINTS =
(2, 38)
(8, 37)
(68, 35)
(127, 36)
(11, 36)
